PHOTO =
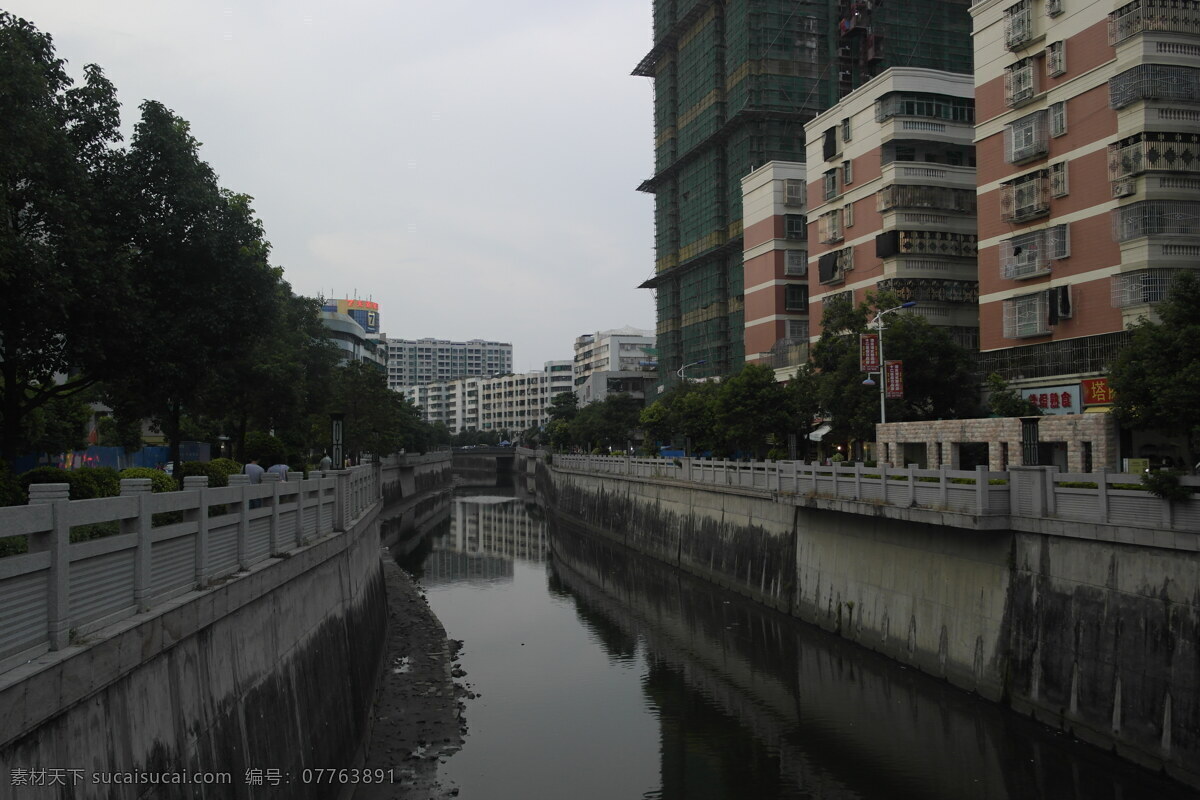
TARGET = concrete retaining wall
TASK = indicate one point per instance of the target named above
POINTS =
(273, 670)
(1098, 638)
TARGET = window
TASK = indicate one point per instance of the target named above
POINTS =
(796, 328)
(1053, 9)
(1027, 315)
(830, 184)
(1020, 84)
(846, 129)
(1024, 256)
(847, 173)
(829, 145)
(1026, 138)
(1018, 25)
(795, 263)
(795, 227)
(829, 226)
(1058, 242)
(1026, 197)
(1056, 59)
(795, 297)
(1143, 286)
(793, 192)
(1058, 179)
(848, 215)
(1058, 118)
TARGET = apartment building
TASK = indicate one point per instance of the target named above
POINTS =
(414, 362)
(621, 360)
(1088, 124)
(775, 264)
(892, 201)
(512, 403)
(734, 82)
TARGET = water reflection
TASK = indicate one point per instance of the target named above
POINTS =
(606, 675)
(754, 704)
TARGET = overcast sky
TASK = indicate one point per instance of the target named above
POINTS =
(470, 166)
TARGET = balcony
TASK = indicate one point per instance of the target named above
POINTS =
(1160, 16)
(1026, 198)
(1155, 218)
(1154, 82)
(1151, 152)
(924, 173)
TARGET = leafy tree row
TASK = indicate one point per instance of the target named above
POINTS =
(129, 275)
(610, 424)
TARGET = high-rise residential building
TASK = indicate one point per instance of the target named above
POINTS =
(513, 403)
(414, 362)
(734, 82)
(891, 199)
(1089, 170)
(618, 361)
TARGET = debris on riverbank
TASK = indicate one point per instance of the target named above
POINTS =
(418, 713)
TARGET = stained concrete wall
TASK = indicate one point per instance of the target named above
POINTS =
(1095, 637)
(271, 670)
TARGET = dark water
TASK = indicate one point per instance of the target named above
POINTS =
(604, 675)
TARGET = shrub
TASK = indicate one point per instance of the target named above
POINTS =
(1165, 484)
(159, 480)
(91, 482)
(217, 473)
(10, 488)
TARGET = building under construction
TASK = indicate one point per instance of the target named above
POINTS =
(734, 83)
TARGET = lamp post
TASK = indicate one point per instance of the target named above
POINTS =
(878, 323)
(679, 371)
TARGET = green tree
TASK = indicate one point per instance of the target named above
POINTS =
(751, 407)
(610, 423)
(684, 415)
(200, 271)
(1004, 401)
(938, 378)
(376, 419)
(62, 274)
(1156, 378)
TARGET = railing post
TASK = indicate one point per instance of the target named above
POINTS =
(883, 481)
(943, 485)
(912, 485)
(142, 527)
(274, 479)
(58, 542)
(243, 528)
(1102, 492)
(199, 484)
(1050, 490)
(342, 501)
(981, 490)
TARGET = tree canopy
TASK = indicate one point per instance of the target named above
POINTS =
(1156, 378)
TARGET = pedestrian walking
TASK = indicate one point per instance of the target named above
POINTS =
(279, 468)
(326, 463)
(253, 470)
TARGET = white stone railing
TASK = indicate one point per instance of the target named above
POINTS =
(1033, 493)
(164, 545)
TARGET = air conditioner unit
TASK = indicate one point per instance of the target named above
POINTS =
(1124, 187)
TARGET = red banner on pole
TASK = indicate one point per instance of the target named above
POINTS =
(893, 377)
(868, 352)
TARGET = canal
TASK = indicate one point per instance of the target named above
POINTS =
(599, 674)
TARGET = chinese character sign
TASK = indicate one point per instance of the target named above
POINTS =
(1096, 392)
(893, 379)
(1055, 399)
(868, 352)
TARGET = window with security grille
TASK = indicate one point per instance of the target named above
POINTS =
(796, 263)
(793, 192)
(1026, 197)
(1024, 256)
(1020, 83)
(1026, 138)
(1058, 241)
(847, 172)
(1058, 119)
(831, 184)
(1028, 315)
(1018, 25)
(795, 227)
(1058, 179)
(1142, 286)
(795, 297)
(1056, 59)
(829, 226)
(848, 215)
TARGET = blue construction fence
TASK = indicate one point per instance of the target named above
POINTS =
(115, 457)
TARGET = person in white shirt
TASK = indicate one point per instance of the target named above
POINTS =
(280, 469)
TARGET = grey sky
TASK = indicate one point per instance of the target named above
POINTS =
(470, 166)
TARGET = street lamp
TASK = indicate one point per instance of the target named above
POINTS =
(878, 323)
(679, 371)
